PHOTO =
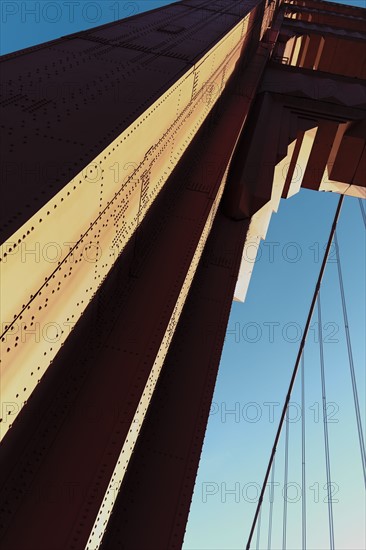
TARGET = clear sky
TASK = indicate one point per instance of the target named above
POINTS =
(259, 354)
(260, 350)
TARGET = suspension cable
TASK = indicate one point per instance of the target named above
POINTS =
(285, 482)
(259, 529)
(362, 211)
(271, 500)
(294, 373)
(303, 449)
(350, 359)
(325, 427)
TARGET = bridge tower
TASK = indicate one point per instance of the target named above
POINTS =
(142, 158)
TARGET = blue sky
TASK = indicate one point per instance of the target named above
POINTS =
(260, 349)
(31, 22)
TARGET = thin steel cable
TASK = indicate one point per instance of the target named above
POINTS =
(285, 482)
(362, 211)
(350, 359)
(325, 426)
(259, 529)
(303, 453)
(271, 500)
(296, 367)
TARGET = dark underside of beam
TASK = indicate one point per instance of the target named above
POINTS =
(153, 504)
